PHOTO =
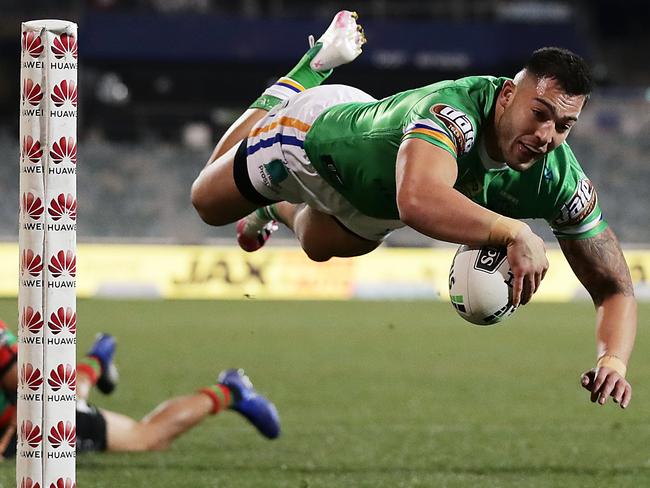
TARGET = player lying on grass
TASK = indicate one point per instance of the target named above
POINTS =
(458, 161)
(103, 430)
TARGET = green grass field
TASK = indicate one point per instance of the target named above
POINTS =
(371, 394)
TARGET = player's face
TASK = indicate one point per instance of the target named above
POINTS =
(537, 116)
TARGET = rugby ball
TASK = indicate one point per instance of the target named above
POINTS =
(480, 284)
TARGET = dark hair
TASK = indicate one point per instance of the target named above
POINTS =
(570, 70)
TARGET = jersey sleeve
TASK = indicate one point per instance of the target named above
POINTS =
(446, 119)
(576, 213)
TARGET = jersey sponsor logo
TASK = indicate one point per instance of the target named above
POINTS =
(579, 206)
(276, 171)
(458, 123)
(272, 174)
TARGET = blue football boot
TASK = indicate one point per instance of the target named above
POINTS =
(103, 349)
(257, 409)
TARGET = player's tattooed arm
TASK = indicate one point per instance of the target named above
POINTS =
(599, 264)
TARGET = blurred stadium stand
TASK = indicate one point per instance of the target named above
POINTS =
(161, 79)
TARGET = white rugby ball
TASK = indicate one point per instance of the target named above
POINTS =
(480, 284)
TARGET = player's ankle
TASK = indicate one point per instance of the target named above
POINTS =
(90, 367)
(220, 395)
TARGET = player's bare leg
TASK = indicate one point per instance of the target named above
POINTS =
(214, 193)
(310, 225)
(176, 416)
(233, 390)
(158, 429)
(84, 385)
(155, 431)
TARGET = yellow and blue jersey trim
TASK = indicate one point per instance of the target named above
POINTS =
(431, 132)
(257, 142)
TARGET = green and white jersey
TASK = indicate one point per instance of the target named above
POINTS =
(353, 146)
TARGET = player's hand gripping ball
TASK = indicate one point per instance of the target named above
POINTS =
(480, 284)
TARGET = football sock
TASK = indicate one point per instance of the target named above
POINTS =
(270, 212)
(299, 79)
(91, 367)
(220, 396)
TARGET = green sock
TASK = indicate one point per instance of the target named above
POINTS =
(304, 74)
(299, 79)
(270, 212)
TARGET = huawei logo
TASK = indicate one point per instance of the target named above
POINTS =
(30, 434)
(63, 319)
(63, 44)
(32, 149)
(30, 377)
(63, 262)
(64, 148)
(31, 263)
(63, 433)
(63, 483)
(32, 206)
(63, 375)
(31, 320)
(66, 90)
(29, 483)
(63, 205)
(31, 44)
(33, 94)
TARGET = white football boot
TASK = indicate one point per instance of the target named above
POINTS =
(341, 42)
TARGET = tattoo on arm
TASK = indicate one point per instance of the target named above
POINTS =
(599, 264)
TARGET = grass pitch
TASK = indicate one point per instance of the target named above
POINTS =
(371, 394)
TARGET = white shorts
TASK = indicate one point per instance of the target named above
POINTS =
(279, 169)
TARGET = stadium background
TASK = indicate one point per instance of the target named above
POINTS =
(160, 81)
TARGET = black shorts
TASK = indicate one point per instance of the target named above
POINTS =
(91, 429)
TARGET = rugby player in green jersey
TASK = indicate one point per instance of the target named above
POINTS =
(460, 161)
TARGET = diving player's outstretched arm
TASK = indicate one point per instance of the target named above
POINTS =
(428, 202)
(599, 264)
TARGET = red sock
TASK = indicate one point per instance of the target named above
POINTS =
(220, 396)
(91, 367)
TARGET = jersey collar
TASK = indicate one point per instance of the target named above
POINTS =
(487, 162)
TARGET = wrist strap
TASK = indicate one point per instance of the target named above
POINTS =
(612, 362)
(504, 230)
